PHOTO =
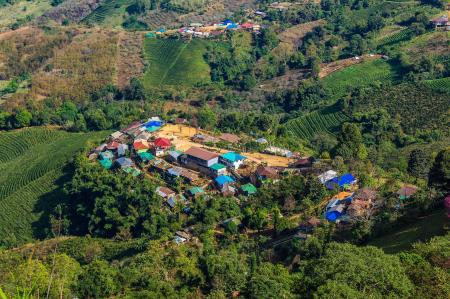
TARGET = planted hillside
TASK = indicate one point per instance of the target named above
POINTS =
(175, 62)
(32, 171)
(320, 121)
(359, 75)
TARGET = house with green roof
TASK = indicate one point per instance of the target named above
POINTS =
(106, 163)
(196, 191)
(146, 156)
(248, 189)
(218, 169)
(132, 170)
(232, 160)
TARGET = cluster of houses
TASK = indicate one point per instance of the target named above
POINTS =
(204, 31)
(350, 203)
(138, 150)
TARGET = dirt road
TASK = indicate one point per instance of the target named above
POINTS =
(181, 139)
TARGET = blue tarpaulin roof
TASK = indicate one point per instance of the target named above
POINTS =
(153, 123)
(345, 179)
(224, 179)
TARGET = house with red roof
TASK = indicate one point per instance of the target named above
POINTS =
(141, 145)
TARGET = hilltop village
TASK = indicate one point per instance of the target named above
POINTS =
(194, 163)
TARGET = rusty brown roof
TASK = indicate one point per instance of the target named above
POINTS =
(201, 153)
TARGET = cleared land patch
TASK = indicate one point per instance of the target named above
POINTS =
(175, 62)
(442, 84)
(32, 165)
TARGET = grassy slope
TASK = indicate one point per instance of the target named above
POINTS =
(442, 84)
(359, 75)
(175, 62)
(423, 229)
(31, 176)
(10, 13)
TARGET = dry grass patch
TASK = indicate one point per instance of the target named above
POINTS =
(86, 65)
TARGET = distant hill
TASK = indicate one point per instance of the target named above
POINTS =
(32, 175)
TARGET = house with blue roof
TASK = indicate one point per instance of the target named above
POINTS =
(224, 180)
(342, 182)
(232, 160)
(335, 213)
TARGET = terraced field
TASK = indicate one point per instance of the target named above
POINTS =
(175, 62)
(359, 75)
(442, 84)
(31, 175)
(396, 38)
(110, 12)
(323, 121)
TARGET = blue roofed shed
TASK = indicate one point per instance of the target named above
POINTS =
(223, 180)
(124, 162)
(334, 213)
(343, 181)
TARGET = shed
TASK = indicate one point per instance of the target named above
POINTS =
(122, 149)
(165, 192)
(406, 192)
(343, 181)
(106, 155)
(146, 156)
(262, 140)
(334, 213)
(266, 172)
(248, 189)
(223, 180)
(174, 155)
(106, 163)
(231, 138)
(196, 191)
(327, 175)
(141, 145)
(113, 145)
(116, 134)
(132, 170)
(100, 148)
(124, 162)
(365, 194)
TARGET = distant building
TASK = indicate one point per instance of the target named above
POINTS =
(264, 173)
(343, 181)
(218, 170)
(326, 176)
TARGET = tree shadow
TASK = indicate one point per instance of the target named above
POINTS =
(46, 204)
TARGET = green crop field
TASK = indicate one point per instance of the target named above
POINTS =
(442, 84)
(109, 13)
(31, 176)
(359, 75)
(322, 121)
(175, 62)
